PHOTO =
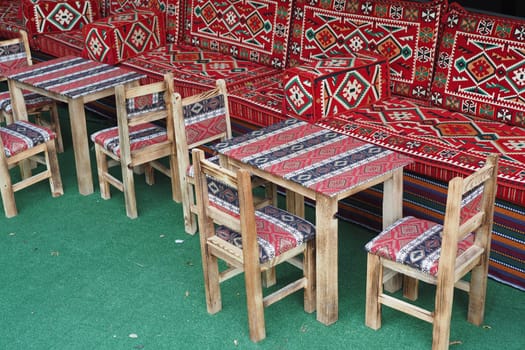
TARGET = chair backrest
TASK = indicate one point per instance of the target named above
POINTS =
(201, 119)
(468, 216)
(140, 106)
(14, 53)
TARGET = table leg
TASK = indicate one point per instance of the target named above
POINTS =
(326, 259)
(77, 118)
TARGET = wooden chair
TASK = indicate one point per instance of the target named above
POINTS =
(138, 140)
(15, 53)
(249, 240)
(438, 254)
(200, 120)
(20, 141)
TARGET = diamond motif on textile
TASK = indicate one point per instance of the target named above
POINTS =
(352, 90)
(298, 96)
(96, 45)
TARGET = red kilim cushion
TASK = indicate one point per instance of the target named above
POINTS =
(403, 31)
(251, 30)
(22, 135)
(414, 242)
(205, 119)
(481, 66)
(329, 86)
(141, 136)
(51, 16)
(171, 10)
(124, 35)
(31, 99)
(11, 57)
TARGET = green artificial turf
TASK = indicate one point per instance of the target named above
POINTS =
(77, 273)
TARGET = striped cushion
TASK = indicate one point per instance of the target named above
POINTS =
(205, 119)
(11, 57)
(31, 99)
(278, 230)
(414, 242)
(141, 136)
(22, 135)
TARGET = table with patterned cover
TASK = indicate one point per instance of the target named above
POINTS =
(326, 166)
(75, 81)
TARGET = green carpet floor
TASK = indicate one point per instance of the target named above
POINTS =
(76, 273)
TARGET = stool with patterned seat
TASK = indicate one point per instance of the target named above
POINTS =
(20, 141)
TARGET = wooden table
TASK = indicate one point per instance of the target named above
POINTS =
(75, 81)
(325, 166)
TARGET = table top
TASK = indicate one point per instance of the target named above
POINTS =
(74, 77)
(317, 158)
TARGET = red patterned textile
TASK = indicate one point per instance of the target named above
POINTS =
(61, 44)
(254, 30)
(326, 87)
(31, 99)
(124, 35)
(480, 67)
(22, 135)
(414, 242)
(11, 57)
(205, 119)
(403, 31)
(10, 20)
(141, 136)
(443, 143)
(52, 16)
(171, 10)
(196, 70)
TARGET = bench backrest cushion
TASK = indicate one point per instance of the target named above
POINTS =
(403, 31)
(172, 10)
(255, 30)
(480, 68)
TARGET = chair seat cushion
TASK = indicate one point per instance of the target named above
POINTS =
(140, 136)
(22, 135)
(414, 242)
(31, 99)
(277, 232)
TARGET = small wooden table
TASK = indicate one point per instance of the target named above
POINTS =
(75, 81)
(325, 166)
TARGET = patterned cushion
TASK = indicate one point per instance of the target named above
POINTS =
(141, 136)
(328, 86)
(32, 100)
(62, 44)
(481, 66)
(145, 103)
(51, 16)
(414, 242)
(22, 135)
(10, 20)
(251, 30)
(121, 36)
(171, 9)
(205, 119)
(443, 143)
(403, 31)
(277, 231)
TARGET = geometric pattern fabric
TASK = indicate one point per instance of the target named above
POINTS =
(481, 66)
(405, 32)
(326, 87)
(252, 30)
(204, 119)
(22, 135)
(47, 16)
(443, 143)
(124, 35)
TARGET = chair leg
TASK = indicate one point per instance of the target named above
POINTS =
(309, 273)
(102, 169)
(210, 267)
(128, 184)
(254, 300)
(6, 190)
(55, 181)
(149, 174)
(477, 294)
(410, 288)
(442, 315)
(187, 198)
(374, 287)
